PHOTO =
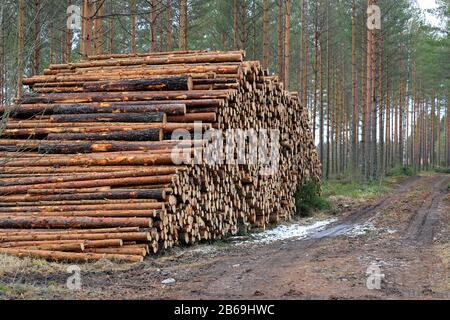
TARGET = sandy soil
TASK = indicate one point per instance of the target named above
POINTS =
(405, 233)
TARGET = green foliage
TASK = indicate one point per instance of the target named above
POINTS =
(353, 189)
(308, 198)
(3, 288)
(401, 171)
(442, 170)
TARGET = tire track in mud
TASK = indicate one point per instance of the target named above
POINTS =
(361, 215)
(421, 226)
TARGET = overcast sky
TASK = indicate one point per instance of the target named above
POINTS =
(429, 4)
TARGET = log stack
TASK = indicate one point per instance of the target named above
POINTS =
(88, 163)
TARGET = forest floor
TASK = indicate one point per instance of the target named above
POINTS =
(404, 232)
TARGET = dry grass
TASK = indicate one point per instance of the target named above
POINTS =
(18, 278)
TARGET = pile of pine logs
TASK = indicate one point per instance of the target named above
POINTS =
(87, 170)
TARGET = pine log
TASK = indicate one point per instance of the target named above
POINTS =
(70, 256)
(157, 194)
(43, 108)
(123, 250)
(169, 109)
(72, 222)
(89, 160)
(73, 247)
(86, 243)
(92, 213)
(86, 97)
(49, 181)
(176, 83)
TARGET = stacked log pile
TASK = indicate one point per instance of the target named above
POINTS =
(87, 162)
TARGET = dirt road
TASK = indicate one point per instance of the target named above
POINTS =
(406, 234)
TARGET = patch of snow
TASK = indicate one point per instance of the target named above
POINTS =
(292, 231)
(360, 229)
(391, 231)
(203, 249)
(169, 281)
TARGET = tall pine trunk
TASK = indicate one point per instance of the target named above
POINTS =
(86, 28)
(266, 35)
(235, 25)
(280, 41)
(153, 23)
(168, 26)
(37, 38)
(287, 42)
(182, 33)
(355, 114)
(98, 28)
(20, 46)
(110, 28)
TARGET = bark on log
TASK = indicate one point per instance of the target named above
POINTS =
(50, 180)
(169, 109)
(149, 117)
(71, 247)
(86, 97)
(179, 83)
(87, 160)
(70, 256)
(72, 222)
(93, 207)
(86, 243)
(130, 236)
(157, 194)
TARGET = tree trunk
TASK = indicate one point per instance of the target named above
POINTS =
(287, 42)
(20, 44)
(355, 114)
(446, 158)
(110, 31)
(161, 26)
(364, 42)
(37, 38)
(168, 26)
(266, 35)
(86, 30)
(327, 170)
(68, 41)
(133, 25)
(401, 118)
(98, 28)
(381, 110)
(369, 98)
(153, 9)
(182, 33)
(315, 68)
(235, 25)
(254, 29)
(305, 60)
(321, 111)
(280, 41)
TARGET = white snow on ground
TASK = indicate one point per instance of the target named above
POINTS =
(362, 229)
(292, 231)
